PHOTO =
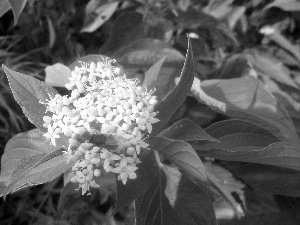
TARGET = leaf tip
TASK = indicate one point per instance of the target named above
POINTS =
(4, 67)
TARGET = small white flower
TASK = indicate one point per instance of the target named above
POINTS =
(124, 170)
(51, 135)
(151, 120)
(85, 186)
(108, 157)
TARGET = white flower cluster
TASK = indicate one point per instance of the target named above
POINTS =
(106, 118)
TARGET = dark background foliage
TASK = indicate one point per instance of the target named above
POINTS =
(230, 39)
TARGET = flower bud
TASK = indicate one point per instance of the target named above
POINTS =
(85, 172)
(140, 105)
(117, 71)
(97, 173)
(74, 179)
(132, 175)
(95, 160)
(47, 119)
(69, 86)
(93, 66)
(80, 130)
(78, 154)
(125, 127)
(73, 142)
(130, 151)
(153, 100)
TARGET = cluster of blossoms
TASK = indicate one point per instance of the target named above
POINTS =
(106, 119)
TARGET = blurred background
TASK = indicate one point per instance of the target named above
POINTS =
(230, 38)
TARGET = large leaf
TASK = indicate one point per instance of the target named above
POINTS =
(174, 199)
(181, 154)
(191, 201)
(24, 154)
(186, 130)
(17, 7)
(29, 93)
(280, 154)
(22, 175)
(57, 75)
(23, 145)
(147, 171)
(237, 133)
(246, 98)
(154, 207)
(43, 173)
(246, 142)
(168, 106)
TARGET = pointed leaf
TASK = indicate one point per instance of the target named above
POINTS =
(17, 7)
(25, 151)
(152, 73)
(280, 154)
(25, 166)
(181, 154)
(186, 130)
(29, 93)
(243, 141)
(193, 201)
(23, 145)
(174, 199)
(246, 98)
(57, 75)
(154, 207)
(168, 106)
(43, 173)
(236, 134)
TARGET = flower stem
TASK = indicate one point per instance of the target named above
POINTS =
(157, 157)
